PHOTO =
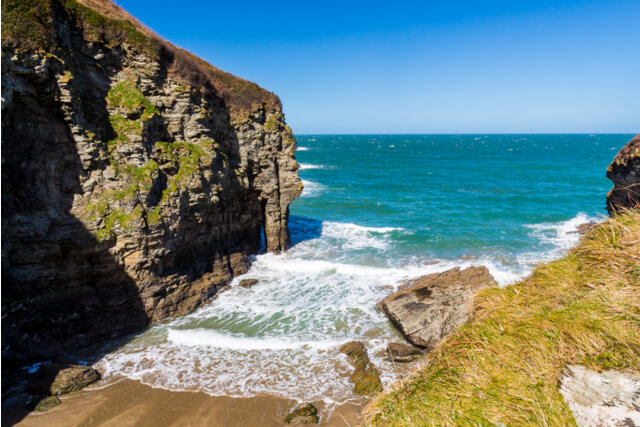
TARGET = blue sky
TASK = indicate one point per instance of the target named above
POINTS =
(423, 67)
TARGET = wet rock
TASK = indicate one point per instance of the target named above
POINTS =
(402, 353)
(365, 377)
(610, 398)
(57, 379)
(356, 354)
(583, 229)
(624, 171)
(432, 306)
(47, 403)
(307, 414)
(247, 283)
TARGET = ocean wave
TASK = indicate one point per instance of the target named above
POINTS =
(561, 234)
(211, 338)
(312, 188)
(305, 166)
(303, 149)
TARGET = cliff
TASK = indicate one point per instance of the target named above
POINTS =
(136, 178)
(624, 171)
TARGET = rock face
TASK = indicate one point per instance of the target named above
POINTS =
(624, 171)
(432, 306)
(610, 398)
(365, 377)
(56, 379)
(136, 178)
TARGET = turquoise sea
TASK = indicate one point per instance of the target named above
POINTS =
(375, 211)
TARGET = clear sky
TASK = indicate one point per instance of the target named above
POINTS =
(424, 66)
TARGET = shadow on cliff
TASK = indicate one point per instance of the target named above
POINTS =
(61, 289)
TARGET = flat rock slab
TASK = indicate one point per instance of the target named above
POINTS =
(610, 398)
(432, 306)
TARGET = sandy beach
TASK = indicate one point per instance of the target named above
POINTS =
(131, 403)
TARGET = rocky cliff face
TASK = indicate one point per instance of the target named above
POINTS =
(136, 178)
(624, 171)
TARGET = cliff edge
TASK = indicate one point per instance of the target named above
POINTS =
(136, 178)
(624, 171)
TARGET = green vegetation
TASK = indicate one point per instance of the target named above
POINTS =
(128, 98)
(503, 365)
(189, 158)
(126, 95)
(139, 179)
(28, 24)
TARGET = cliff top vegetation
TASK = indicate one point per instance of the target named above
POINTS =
(504, 364)
(33, 25)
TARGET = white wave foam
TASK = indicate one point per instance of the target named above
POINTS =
(304, 166)
(302, 149)
(211, 338)
(312, 188)
(282, 337)
(562, 234)
(357, 236)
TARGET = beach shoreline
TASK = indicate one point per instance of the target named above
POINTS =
(129, 402)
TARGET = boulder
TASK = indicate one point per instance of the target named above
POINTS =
(307, 414)
(247, 283)
(47, 403)
(431, 307)
(624, 171)
(365, 377)
(56, 379)
(402, 353)
(609, 398)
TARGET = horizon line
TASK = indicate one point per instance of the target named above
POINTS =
(466, 133)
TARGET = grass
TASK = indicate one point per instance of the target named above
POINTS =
(503, 365)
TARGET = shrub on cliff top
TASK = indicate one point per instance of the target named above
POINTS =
(504, 364)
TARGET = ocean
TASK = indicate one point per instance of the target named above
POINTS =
(375, 211)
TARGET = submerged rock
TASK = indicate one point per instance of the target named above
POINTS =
(402, 353)
(610, 398)
(57, 379)
(307, 414)
(624, 171)
(365, 377)
(247, 283)
(47, 403)
(432, 306)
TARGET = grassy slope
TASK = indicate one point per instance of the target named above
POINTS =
(503, 366)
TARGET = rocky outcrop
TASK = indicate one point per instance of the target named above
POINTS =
(307, 414)
(56, 379)
(398, 352)
(136, 178)
(624, 171)
(365, 377)
(432, 306)
(610, 398)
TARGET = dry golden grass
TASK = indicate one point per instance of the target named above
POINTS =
(503, 365)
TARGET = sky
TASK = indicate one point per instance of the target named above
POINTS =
(423, 67)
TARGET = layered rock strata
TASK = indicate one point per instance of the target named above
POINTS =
(624, 171)
(136, 178)
(431, 307)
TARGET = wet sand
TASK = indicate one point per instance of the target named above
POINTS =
(130, 403)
